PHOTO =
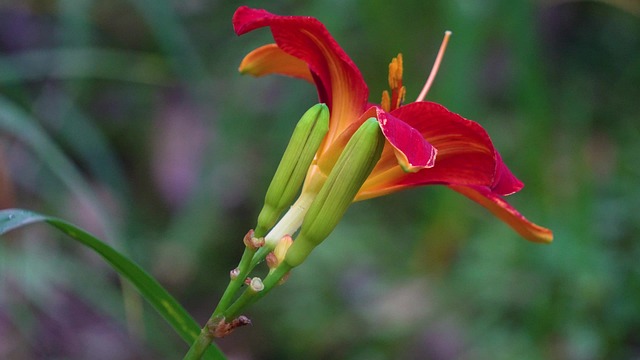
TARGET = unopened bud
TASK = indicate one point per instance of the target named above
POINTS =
(352, 168)
(272, 261)
(291, 171)
(277, 255)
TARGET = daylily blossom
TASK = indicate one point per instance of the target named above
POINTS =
(426, 144)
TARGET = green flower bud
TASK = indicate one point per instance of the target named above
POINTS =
(293, 167)
(354, 165)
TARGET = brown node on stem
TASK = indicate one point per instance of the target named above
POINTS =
(251, 241)
(220, 328)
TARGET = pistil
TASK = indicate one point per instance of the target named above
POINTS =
(436, 66)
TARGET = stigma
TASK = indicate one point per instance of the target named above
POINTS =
(394, 99)
(436, 66)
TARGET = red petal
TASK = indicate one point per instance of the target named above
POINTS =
(505, 183)
(270, 59)
(412, 151)
(466, 155)
(339, 82)
(405, 147)
(500, 208)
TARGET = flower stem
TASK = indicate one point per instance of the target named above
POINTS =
(205, 337)
(225, 309)
(244, 268)
(249, 296)
(199, 346)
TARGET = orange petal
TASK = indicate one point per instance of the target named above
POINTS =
(338, 80)
(270, 59)
(506, 213)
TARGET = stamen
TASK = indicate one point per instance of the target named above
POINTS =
(436, 65)
(395, 72)
(392, 100)
(386, 101)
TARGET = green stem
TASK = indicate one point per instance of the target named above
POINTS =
(225, 309)
(200, 346)
(250, 296)
(244, 267)
(205, 337)
(260, 255)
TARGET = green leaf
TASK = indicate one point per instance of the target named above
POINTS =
(167, 306)
(17, 122)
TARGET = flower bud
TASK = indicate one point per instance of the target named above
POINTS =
(352, 168)
(291, 171)
(277, 255)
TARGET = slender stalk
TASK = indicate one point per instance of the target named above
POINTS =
(288, 225)
(205, 337)
(249, 296)
(200, 346)
(244, 267)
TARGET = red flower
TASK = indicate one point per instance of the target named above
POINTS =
(426, 143)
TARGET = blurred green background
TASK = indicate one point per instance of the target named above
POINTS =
(129, 119)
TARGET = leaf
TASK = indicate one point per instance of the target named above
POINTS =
(167, 306)
(17, 122)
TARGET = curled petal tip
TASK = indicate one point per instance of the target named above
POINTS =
(428, 162)
(412, 151)
(507, 213)
(505, 183)
(270, 59)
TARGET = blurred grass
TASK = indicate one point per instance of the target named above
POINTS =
(144, 102)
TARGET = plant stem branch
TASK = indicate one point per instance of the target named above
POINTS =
(288, 225)
(198, 348)
(250, 296)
